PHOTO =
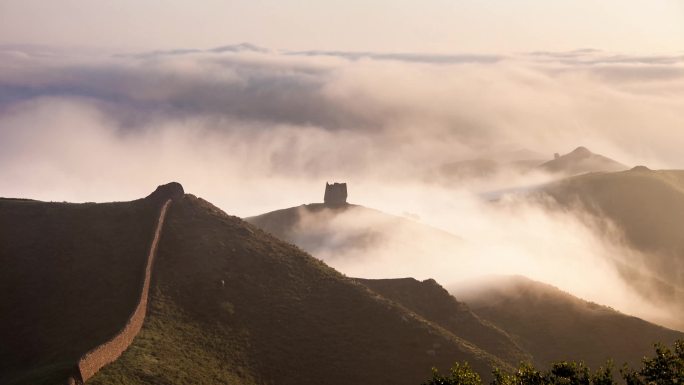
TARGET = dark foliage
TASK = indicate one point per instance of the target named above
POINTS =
(665, 368)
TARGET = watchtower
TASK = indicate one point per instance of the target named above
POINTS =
(335, 194)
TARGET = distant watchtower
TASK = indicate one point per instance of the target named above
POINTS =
(335, 194)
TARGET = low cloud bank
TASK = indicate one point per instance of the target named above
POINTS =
(466, 239)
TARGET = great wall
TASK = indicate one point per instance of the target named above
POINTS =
(94, 360)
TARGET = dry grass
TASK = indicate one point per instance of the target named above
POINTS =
(70, 277)
(556, 326)
(281, 316)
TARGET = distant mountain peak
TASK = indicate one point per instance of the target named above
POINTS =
(581, 151)
(582, 160)
(241, 47)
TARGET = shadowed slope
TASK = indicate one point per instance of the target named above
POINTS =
(432, 302)
(647, 205)
(648, 208)
(554, 326)
(70, 278)
(108, 352)
(231, 303)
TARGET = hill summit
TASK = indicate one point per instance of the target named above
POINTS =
(172, 190)
(581, 160)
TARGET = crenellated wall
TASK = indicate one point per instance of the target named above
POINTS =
(335, 194)
(94, 360)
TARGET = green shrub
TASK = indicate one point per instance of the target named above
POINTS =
(665, 368)
(458, 374)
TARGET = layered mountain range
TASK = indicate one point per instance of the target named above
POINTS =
(229, 300)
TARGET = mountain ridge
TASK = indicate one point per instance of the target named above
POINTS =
(275, 321)
(556, 326)
(581, 160)
(227, 302)
(647, 208)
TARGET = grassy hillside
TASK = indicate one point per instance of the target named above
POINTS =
(647, 205)
(310, 226)
(648, 208)
(283, 223)
(230, 303)
(553, 325)
(352, 235)
(69, 278)
(432, 302)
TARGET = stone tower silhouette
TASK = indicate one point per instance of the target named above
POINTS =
(335, 194)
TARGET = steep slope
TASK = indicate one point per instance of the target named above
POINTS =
(580, 161)
(432, 302)
(648, 209)
(647, 205)
(553, 325)
(231, 303)
(70, 277)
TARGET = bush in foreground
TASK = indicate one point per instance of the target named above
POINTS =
(665, 368)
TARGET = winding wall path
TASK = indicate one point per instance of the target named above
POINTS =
(91, 362)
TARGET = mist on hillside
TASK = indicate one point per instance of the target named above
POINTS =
(474, 239)
(258, 130)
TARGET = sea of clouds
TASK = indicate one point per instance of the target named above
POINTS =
(254, 130)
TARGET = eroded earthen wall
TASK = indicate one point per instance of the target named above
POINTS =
(109, 351)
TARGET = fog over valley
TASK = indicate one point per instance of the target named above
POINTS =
(454, 144)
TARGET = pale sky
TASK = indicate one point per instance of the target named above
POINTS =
(627, 26)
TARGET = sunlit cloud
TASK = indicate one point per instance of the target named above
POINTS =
(254, 130)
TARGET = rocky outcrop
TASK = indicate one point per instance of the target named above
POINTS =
(94, 360)
(173, 191)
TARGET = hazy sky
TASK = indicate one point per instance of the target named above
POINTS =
(377, 25)
(211, 120)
